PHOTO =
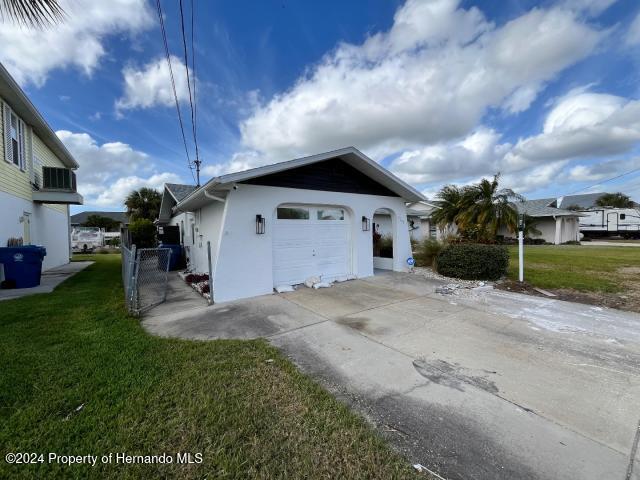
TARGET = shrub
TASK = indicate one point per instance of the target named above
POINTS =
(572, 242)
(471, 261)
(143, 233)
(386, 246)
(426, 251)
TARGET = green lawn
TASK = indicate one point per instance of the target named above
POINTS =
(583, 268)
(248, 416)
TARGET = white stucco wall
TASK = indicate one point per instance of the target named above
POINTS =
(49, 227)
(569, 229)
(243, 264)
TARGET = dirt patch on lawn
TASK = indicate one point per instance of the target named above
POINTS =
(628, 300)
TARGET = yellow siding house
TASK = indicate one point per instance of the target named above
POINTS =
(37, 178)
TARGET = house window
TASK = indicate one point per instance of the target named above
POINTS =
(182, 232)
(623, 216)
(15, 139)
(330, 214)
(293, 213)
(15, 135)
(193, 233)
(433, 232)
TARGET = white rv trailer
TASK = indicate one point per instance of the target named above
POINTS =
(86, 239)
(599, 222)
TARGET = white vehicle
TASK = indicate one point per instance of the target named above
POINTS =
(599, 222)
(86, 239)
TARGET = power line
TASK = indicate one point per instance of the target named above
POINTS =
(191, 96)
(173, 83)
(605, 181)
(193, 69)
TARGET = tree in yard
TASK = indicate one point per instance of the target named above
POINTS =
(32, 13)
(529, 226)
(102, 222)
(478, 210)
(615, 200)
(487, 208)
(143, 203)
(450, 203)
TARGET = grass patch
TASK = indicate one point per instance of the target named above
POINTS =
(583, 268)
(248, 410)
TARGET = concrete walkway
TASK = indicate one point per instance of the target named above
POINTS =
(478, 384)
(49, 281)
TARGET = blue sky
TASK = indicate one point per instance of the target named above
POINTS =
(438, 91)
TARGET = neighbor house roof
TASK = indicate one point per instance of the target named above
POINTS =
(543, 208)
(179, 191)
(11, 92)
(585, 200)
(82, 217)
(349, 155)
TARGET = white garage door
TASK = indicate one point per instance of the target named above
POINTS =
(310, 241)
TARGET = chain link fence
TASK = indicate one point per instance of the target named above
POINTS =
(144, 276)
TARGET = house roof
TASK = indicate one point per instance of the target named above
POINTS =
(349, 155)
(543, 208)
(585, 200)
(82, 217)
(11, 92)
(179, 191)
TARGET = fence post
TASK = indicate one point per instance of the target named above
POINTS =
(133, 294)
(210, 301)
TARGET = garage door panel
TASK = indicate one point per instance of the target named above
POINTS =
(304, 248)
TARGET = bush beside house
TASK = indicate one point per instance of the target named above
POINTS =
(472, 261)
(143, 233)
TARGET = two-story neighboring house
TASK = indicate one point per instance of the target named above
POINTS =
(37, 179)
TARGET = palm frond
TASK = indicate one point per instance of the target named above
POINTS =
(32, 13)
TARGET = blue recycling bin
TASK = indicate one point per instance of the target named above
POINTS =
(176, 255)
(23, 265)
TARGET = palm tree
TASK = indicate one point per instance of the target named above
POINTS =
(32, 13)
(529, 226)
(143, 203)
(615, 200)
(487, 208)
(449, 201)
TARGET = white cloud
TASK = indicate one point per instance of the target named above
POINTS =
(633, 34)
(114, 194)
(475, 154)
(603, 170)
(78, 42)
(151, 85)
(428, 80)
(108, 172)
(581, 124)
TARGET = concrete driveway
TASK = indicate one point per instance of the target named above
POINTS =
(474, 385)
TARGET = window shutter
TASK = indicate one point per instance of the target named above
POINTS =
(23, 144)
(8, 146)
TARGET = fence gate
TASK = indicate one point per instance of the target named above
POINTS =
(144, 276)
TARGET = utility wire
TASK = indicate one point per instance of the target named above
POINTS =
(605, 181)
(193, 69)
(173, 83)
(191, 96)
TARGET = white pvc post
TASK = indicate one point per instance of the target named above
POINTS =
(521, 256)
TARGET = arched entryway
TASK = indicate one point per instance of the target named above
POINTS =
(383, 238)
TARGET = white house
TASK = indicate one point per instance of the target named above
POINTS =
(556, 225)
(282, 223)
(37, 179)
